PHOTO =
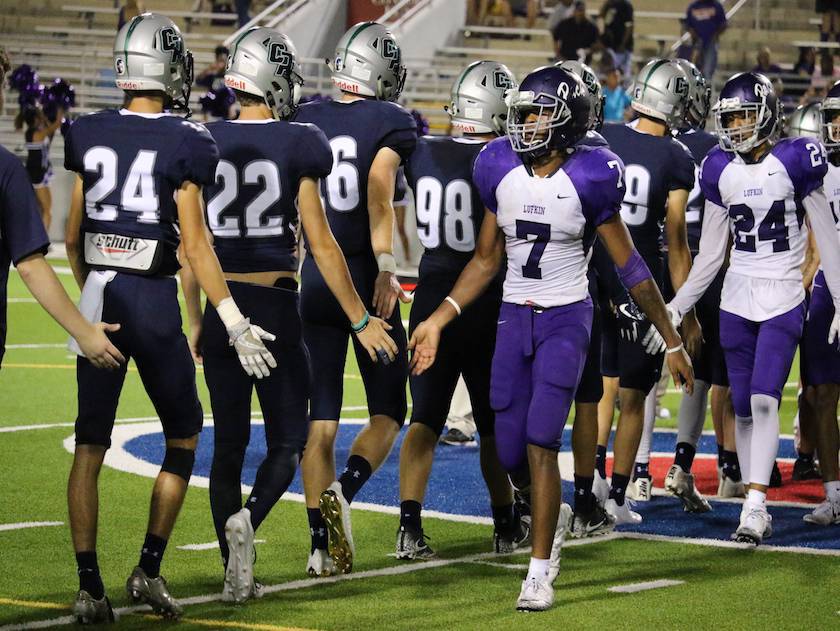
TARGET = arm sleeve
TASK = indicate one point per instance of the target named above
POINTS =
(22, 228)
(197, 157)
(713, 241)
(316, 156)
(825, 234)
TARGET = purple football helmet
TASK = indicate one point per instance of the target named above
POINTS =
(557, 102)
(748, 96)
(829, 110)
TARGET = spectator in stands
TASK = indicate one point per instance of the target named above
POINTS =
(564, 9)
(213, 76)
(5, 66)
(616, 99)
(574, 37)
(807, 61)
(706, 20)
(618, 32)
(830, 12)
(824, 77)
(765, 64)
(508, 10)
(130, 9)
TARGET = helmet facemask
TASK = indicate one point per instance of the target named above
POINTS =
(748, 135)
(546, 113)
(829, 113)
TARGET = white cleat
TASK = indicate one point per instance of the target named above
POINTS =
(755, 526)
(825, 514)
(730, 488)
(535, 595)
(239, 575)
(640, 489)
(564, 524)
(335, 510)
(600, 488)
(320, 564)
(622, 514)
(681, 484)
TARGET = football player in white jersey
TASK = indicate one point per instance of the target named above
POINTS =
(759, 189)
(547, 198)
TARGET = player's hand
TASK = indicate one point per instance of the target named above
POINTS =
(424, 344)
(653, 341)
(679, 365)
(98, 348)
(834, 329)
(247, 341)
(692, 334)
(378, 344)
(195, 343)
(386, 291)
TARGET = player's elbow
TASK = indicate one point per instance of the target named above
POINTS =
(73, 243)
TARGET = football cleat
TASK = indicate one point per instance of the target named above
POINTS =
(153, 592)
(89, 610)
(593, 523)
(520, 538)
(775, 477)
(825, 514)
(239, 575)
(336, 513)
(806, 470)
(320, 564)
(564, 522)
(640, 489)
(681, 484)
(535, 595)
(622, 514)
(755, 525)
(456, 437)
(730, 488)
(412, 546)
(600, 488)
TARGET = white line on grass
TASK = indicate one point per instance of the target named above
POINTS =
(18, 301)
(504, 566)
(30, 524)
(17, 347)
(720, 543)
(210, 545)
(632, 588)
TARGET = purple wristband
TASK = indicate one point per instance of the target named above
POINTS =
(634, 271)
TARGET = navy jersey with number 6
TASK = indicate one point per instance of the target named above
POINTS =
(131, 167)
(251, 206)
(699, 142)
(448, 207)
(356, 131)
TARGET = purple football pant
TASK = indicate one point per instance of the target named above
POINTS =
(759, 354)
(537, 366)
(820, 360)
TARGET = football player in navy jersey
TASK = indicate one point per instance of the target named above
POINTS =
(136, 198)
(760, 190)
(267, 179)
(370, 136)
(546, 198)
(660, 174)
(449, 214)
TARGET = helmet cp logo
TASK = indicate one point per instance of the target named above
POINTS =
(681, 86)
(501, 80)
(278, 54)
(391, 52)
(170, 41)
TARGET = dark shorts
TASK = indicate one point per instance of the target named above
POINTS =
(710, 366)
(824, 6)
(466, 348)
(326, 333)
(591, 387)
(284, 394)
(820, 360)
(150, 319)
(622, 353)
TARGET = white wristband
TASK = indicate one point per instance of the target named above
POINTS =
(386, 262)
(454, 304)
(229, 313)
(676, 349)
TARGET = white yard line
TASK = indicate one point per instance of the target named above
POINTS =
(29, 524)
(210, 545)
(719, 543)
(16, 347)
(21, 301)
(632, 588)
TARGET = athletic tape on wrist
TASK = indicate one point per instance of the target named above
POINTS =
(229, 313)
(676, 349)
(634, 271)
(386, 262)
(454, 304)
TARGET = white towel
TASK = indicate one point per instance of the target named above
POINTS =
(91, 302)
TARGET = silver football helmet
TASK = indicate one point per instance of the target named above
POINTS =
(699, 94)
(829, 110)
(805, 122)
(150, 54)
(368, 62)
(590, 80)
(660, 91)
(477, 102)
(263, 63)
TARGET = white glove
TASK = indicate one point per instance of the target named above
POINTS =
(653, 341)
(246, 339)
(834, 329)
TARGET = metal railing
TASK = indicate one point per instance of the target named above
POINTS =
(276, 12)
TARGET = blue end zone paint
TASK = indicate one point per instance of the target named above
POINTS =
(456, 487)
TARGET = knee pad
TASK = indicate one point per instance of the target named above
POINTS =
(179, 461)
(763, 406)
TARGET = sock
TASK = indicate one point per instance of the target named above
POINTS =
(832, 491)
(721, 451)
(89, 577)
(410, 515)
(601, 460)
(505, 519)
(730, 466)
(152, 554)
(756, 498)
(618, 487)
(583, 493)
(641, 470)
(684, 456)
(317, 529)
(357, 471)
(538, 568)
(806, 458)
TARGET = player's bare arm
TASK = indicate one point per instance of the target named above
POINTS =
(812, 259)
(192, 302)
(333, 266)
(73, 235)
(381, 179)
(679, 263)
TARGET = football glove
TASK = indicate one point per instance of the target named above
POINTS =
(247, 341)
(653, 341)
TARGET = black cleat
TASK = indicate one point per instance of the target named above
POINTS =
(519, 538)
(592, 523)
(89, 610)
(775, 477)
(456, 437)
(806, 470)
(412, 546)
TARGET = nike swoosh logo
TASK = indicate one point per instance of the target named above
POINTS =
(773, 173)
(563, 196)
(501, 321)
